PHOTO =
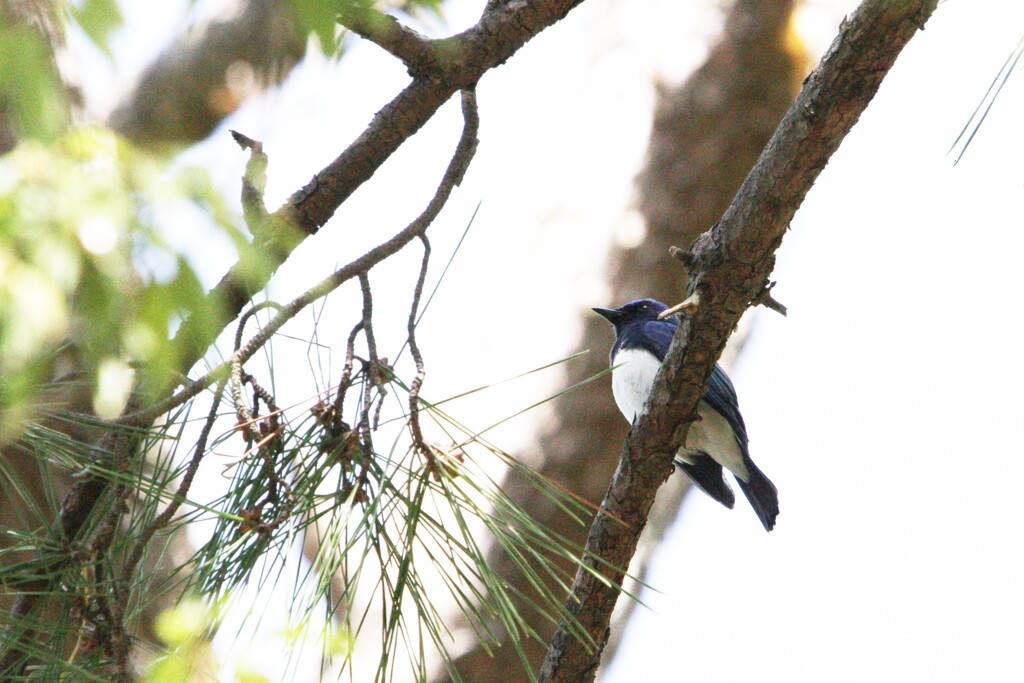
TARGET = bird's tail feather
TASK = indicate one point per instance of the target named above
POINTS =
(706, 474)
(762, 494)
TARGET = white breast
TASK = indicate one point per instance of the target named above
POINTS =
(631, 383)
(632, 379)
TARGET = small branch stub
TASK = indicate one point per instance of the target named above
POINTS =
(682, 255)
(689, 305)
(254, 183)
(765, 298)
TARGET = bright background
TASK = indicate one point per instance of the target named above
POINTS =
(886, 407)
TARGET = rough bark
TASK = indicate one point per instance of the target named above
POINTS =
(707, 134)
(729, 268)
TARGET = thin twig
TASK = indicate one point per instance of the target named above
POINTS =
(140, 418)
(501, 32)
(453, 175)
(346, 374)
(246, 418)
(371, 339)
(267, 430)
(250, 313)
(110, 607)
(417, 381)
(456, 170)
(376, 367)
(181, 494)
(254, 183)
(413, 49)
(119, 641)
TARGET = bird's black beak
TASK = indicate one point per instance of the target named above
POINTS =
(610, 314)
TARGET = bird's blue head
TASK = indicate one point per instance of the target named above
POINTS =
(641, 310)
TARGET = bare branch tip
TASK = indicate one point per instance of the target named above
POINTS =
(689, 305)
(774, 305)
(682, 255)
(246, 142)
(765, 298)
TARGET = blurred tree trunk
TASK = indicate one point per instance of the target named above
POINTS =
(706, 135)
(189, 89)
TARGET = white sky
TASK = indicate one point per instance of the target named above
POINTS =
(886, 407)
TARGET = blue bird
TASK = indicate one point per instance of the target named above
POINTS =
(718, 439)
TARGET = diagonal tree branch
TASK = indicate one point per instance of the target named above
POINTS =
(732, 263)
(462, 60)
(700, 149)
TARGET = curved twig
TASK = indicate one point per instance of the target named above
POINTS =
(500, 33)
(417, 382)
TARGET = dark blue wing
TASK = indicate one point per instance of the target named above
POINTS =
(721, 396)
(654, 336)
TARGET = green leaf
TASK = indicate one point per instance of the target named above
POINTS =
(30, 87)
(98, 19)
(319, 18)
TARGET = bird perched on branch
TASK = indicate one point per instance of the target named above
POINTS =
(717, 439)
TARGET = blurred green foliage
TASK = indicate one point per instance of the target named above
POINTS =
(33, 103)
(186, 630)
(319, 17)
(98, 19)
(79, 222)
